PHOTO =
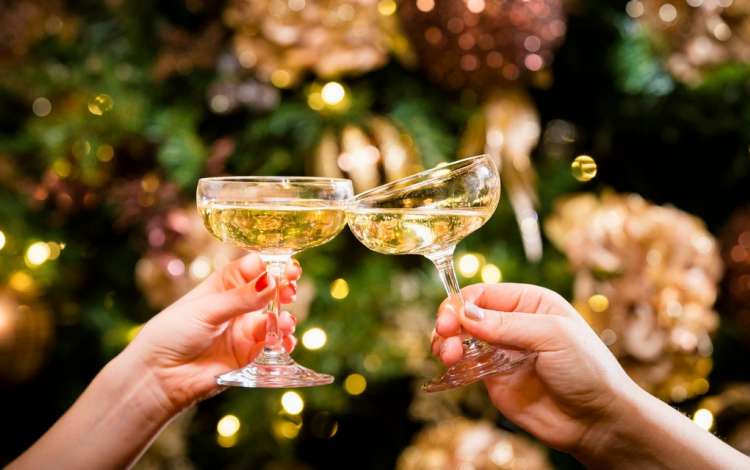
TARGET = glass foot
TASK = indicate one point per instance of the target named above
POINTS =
(278, 372)
(480, 360)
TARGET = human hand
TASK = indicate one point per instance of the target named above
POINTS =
(209, 330)
(574, 390)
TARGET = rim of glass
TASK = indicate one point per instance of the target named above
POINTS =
(273, 179)
(419, 178)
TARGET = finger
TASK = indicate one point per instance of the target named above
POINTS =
(452, 350)
(533, 332)
(293, 270)
(238, 272)
(512, 297)
(447, 323)
(253, 326)
(288, 292)
(289, 343)
(216, 308)
(287, 325)
(437, 343)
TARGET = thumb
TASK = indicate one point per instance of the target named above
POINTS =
(220, 307)
(531, 331)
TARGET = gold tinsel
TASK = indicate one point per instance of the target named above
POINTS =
(460, 443)
(369, 155)
(696, 36)
(281, 40)
(646, 279)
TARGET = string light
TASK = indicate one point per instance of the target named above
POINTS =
(355, 384)
(387, 7)
(21, 281)
(667, 13)
(491, 274)
(2, 240)
(37, 253)
(332, 93)
(339, 289)
(100, 104)
(598, 303)
(292, 403)
(468, 265)
(584, 168)
(281, 78)
(703, 418)
(41, 106)
(200, 268)
(228, 425)
(314, 338)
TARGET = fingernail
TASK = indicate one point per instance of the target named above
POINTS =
(262, 282)
(293, 285)
(473, 312)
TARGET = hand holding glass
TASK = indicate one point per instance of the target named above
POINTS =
(278, 217)
(428, 214)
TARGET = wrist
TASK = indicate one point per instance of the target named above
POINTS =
(620, 436)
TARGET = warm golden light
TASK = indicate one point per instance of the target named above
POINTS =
(339, 289)
(2, 240)
(100, 104)
(21, 281)
(704, 419)
(491, 274)
(314, 338)
(425, 5)
(468, 265)
(281, 78)
(584, 168)
(37, 253)
(387, 7)
(292, 403)
(355, 384)
(200, 268)
(285, 429)
(598, 303)
(332, 93)
(228, 425)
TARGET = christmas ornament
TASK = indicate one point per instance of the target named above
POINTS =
(735, 250)
(646, 280)
(461, 443)
(181, 254)
(369, 155)
(26, 330)
(507, 128)
(281, 40)
(482, 44)
(698, 36)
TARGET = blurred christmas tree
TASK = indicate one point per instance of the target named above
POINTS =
(111, 111)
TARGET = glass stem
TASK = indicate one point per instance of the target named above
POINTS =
(273, 347)
(443, 261)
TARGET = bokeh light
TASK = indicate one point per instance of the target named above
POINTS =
(584, 168)
(314, 338)
(703, 418)
(468, 265)
(292, 403)
(37, 253)
(228, 425)
(339, 289)
(355, 384)
(491, 274)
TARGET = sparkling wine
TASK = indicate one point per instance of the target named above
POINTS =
(414, 231)
(274, 228)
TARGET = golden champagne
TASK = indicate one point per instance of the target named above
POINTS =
(414, 231)
(274, 228)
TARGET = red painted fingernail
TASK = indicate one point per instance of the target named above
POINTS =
(261, 283)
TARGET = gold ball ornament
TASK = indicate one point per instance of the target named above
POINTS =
(26, 330)
(461, 443)
(369, 154)
(281, 40)
(696, 37)
(646, 278)
(482, 44)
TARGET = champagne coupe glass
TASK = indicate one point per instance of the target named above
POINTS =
(428, 214)
(277, 217)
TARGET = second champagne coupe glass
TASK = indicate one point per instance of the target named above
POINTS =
(278, 217)
(428, 214)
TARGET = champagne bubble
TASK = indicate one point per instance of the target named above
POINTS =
(584, 168)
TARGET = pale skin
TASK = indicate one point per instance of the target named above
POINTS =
(574, 396)
(170, 365)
